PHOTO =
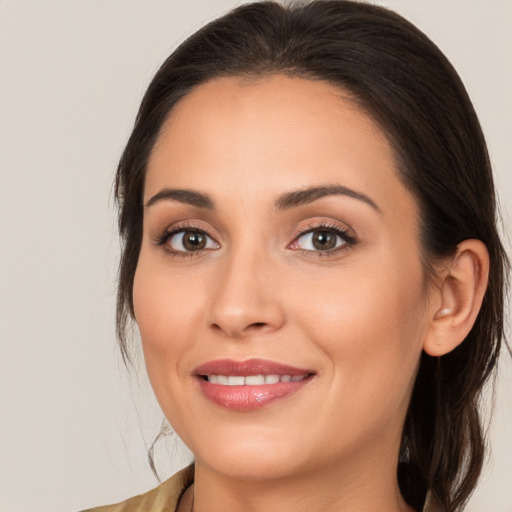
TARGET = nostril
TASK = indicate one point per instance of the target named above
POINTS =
(258, 324)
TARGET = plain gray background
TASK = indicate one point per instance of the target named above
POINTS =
(74, 427)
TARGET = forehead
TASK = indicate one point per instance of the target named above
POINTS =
(262, 136)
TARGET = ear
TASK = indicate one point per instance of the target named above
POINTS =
(457, 300)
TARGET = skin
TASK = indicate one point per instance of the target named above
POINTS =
(359, 315)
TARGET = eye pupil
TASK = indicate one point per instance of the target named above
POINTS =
(323, 240)
(194, 241)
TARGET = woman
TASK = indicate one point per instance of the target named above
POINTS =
(312, 260)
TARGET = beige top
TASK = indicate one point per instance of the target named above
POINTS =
(165, 497)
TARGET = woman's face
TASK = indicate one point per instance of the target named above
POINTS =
(279, 245)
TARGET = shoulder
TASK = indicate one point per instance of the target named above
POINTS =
(165, 497)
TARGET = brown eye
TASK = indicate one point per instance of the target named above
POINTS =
(324, 240)
(193, 241)
(189, 241)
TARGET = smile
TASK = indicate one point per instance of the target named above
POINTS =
(252, 380)
(251, 384)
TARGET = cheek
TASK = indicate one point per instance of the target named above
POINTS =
(370, 324)
(165, 314)
(165, 303)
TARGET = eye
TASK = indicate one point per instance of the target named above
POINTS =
(322, 240)
(189, 240)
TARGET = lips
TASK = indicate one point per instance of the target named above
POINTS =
(251, 384)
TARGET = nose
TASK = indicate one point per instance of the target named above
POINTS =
(246, 298)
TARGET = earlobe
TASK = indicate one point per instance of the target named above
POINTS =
(460, 295)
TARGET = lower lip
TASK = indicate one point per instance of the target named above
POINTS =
(249, 398)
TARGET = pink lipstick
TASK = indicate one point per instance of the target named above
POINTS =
(251, 384)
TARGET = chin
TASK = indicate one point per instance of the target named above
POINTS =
(249, 458)
(255, 468)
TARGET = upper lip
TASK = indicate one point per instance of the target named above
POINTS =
(248, 367)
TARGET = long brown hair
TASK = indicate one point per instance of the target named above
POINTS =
(403, 81)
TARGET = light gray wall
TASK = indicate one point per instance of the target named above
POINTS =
(73, 426)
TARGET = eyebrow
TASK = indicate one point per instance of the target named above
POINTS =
(308, 195)
(190, 197)
(285, 201)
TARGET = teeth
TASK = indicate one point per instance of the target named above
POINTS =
(235, 380)
(255, 380)
(222, 379)
(252, 380)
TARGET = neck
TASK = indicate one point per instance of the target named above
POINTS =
(340, 486)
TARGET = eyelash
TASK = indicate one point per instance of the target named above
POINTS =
(348, 240)
(167, 235)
